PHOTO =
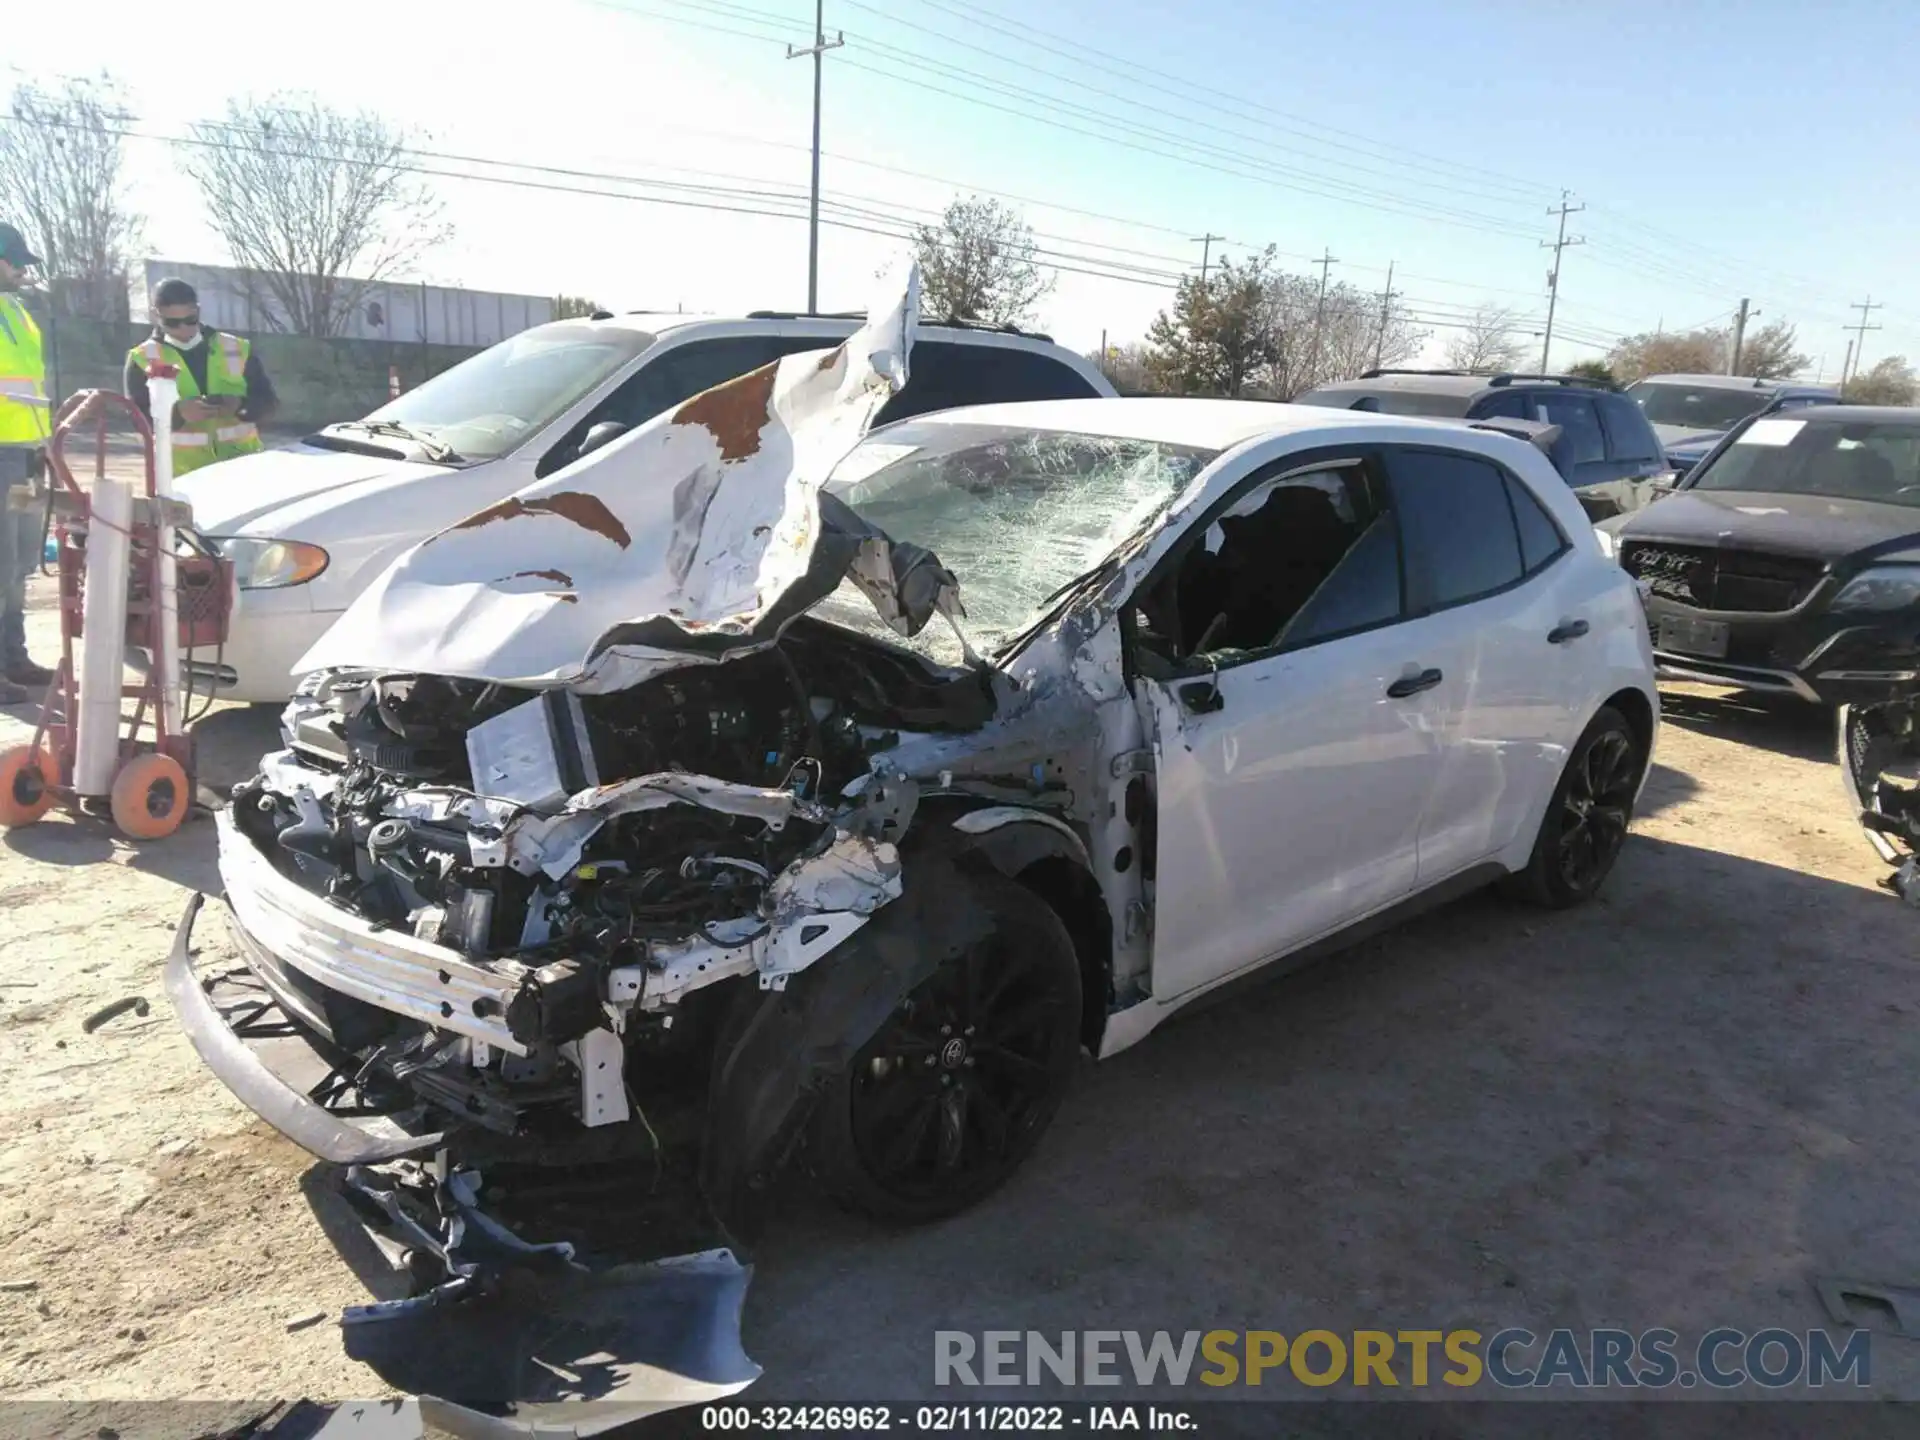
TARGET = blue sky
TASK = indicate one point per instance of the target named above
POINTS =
(1722, 149)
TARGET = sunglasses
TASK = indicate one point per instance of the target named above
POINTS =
(180, 322)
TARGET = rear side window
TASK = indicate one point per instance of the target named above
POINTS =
(1456, 525)
(943, 375)
(1541, 542)
(1629, 435)
(684, 371)
(1505, 404)
(1581, 441)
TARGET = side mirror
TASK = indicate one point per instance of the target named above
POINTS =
(604, 433)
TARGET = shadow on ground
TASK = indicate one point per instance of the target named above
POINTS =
(1772, 722)
(1671, 1107)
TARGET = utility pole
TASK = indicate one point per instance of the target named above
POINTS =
(1326, 262)
(817, 50)
(1739, 336)
(1557, 244)
(1866, 308)
(1386, 314)
(1845, 361)
(1205, 242)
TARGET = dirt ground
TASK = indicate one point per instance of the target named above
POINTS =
(1669, 1108)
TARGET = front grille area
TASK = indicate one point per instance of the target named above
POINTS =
(1713, 579)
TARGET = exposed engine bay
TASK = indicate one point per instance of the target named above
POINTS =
(606, 857)
(1878, 766)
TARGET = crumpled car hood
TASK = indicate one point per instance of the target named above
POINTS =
(697, 537)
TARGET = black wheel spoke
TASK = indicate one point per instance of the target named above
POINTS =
(953, 1127)
(988, 1118)
(900, 1150)
(1020, 1070)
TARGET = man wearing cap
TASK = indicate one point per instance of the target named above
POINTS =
(225, 394)
(24, 426)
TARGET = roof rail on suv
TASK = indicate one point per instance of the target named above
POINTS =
(946, 324)
(1515, 377)
(1376, 374)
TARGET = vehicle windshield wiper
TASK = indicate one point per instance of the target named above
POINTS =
(437, 450)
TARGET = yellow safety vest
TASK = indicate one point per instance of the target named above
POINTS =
(202, 442)
(24, 417)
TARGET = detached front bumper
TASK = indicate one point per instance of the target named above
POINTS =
(294, 1113)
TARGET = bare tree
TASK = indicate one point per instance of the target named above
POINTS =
(1691, 352)
(978, 264)
(1890, 382)
(574, 307)
(61, 183)
(315, 205)
(1487, 341)
(1128, 367)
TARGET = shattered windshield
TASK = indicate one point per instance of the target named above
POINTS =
(1015, 513)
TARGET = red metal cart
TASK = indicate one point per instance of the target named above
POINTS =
(151, 789)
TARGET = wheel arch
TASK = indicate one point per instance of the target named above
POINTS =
(1043, 854)
(1642, 714)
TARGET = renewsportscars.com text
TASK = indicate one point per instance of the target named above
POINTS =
(1509, 1359)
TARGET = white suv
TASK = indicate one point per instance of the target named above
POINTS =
(309, 526)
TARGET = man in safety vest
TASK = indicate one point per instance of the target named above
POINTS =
(224, 391)
(24, 426)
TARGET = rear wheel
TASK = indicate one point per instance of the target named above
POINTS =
(956, 1088)
(1586, 821)
(150, 796)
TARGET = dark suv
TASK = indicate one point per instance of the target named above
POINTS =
(1605, 450)
(1789, 559)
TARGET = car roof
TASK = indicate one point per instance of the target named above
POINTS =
(1735, 382)
(1201, 424)
(1426, 384)
(1869, 414)
(661, 323)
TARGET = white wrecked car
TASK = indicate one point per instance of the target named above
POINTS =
(852, 787)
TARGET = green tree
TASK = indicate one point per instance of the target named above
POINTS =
(1593, 370)
(978, 264)
(1769, 354)
(1890, 382)
(1218, 336)
(573, 307)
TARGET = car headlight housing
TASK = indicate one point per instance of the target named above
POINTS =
(269, 564)
(1882, 588)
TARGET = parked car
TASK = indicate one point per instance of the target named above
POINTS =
(310, 526)
(1691, 412)
(1789, 560)
(1605, 449)
(854, 788)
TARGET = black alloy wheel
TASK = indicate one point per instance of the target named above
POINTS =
(946, 1100)
(1586, 823)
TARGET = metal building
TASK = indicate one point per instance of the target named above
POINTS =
(389, 310)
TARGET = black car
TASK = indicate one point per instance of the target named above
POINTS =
(1606, 449)
(1789, 559)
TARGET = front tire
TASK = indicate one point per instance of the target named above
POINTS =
(1586, 821)
(954, 1091)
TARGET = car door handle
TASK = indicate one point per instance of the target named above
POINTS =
(1202, 697)
(1566, 630)
(1413, 684)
